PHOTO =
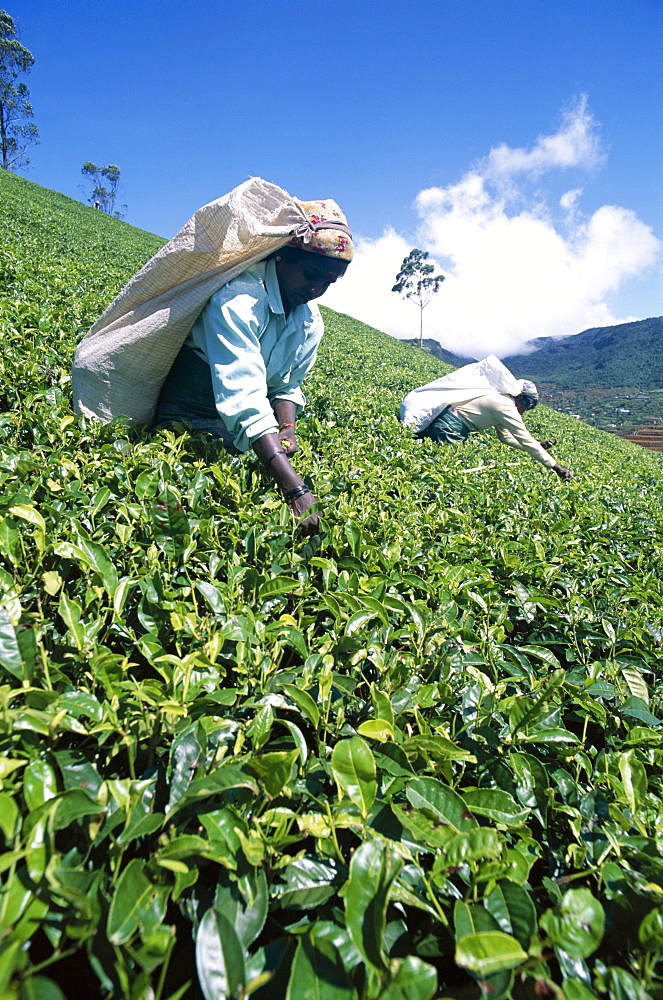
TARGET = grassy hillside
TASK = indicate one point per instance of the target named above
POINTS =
(416, 756)
(627, 354)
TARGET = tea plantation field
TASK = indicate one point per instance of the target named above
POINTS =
(416, 756)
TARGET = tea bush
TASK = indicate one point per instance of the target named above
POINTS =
(417, 755)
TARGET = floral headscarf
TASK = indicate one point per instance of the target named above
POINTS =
(327, 232)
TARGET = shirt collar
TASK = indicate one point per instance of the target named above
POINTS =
(273, 290)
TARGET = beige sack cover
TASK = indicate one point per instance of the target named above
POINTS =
(421, 406)
(122, 361)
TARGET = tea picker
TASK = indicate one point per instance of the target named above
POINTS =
(218, 330)
(474, 398)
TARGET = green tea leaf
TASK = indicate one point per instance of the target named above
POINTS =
(317, 972)
(71, 615)
(635, 681)
(650, 931)
(353, 767)
(39, 784)
(278, 585)
(358, 620)
(472, 919)
(494, 804)
(366, 893)
(132, 893)
(309, 882)
(186, 754)
(219, 957)
(8, 815)
(244, 903)
(376, 729)
(212, 596)
(488, 952)
(98, 560)
(550, 736)
(634, 779)
(414, 980)
(274, 769)
(636, 708)
(542, 653)
(10, 653)
(514, 911)
(623, 986)
(575, 989)
(531, 784)
(40, 988)
(577, 924)
(304, 703)
(440, 800)
(29, 514)
(73, 805)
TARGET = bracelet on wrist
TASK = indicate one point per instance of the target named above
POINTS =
(297, 491)
(291, 500)
(282, 426)
(273, 456)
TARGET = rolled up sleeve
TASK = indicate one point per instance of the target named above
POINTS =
(230, 332)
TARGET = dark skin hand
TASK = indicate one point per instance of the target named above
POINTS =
(302, 276)
(286, 417)
(287, 479)
(563, 473)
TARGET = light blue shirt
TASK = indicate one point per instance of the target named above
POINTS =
(256, 354)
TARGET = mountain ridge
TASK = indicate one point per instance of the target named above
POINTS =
(619, 355)
(625, 354)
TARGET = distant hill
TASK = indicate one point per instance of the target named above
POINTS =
(629, 354)
(436, 349)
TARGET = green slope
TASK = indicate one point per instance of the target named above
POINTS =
(416, 756)
(628, 354)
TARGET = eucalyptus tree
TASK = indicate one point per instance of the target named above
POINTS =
(416, 281)
(17, 132)
(105, 181)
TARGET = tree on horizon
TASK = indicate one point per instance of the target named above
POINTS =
(415, 281)
(106, 181)
(17, 133)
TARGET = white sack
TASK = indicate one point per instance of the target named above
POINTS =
(422, 405)
(122, 361)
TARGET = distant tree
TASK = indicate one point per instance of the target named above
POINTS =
(17, 133)
(104, 192)
(415, 281)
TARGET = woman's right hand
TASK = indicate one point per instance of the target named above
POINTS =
(269, 449)
(298, 507)
(563, 473)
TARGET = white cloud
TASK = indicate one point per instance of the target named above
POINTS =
(569, 199)
(576, 144)
(513, 270)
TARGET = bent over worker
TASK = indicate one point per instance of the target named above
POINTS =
(218, 330)
(474, 398)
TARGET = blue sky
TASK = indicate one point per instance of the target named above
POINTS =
(519, 141)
